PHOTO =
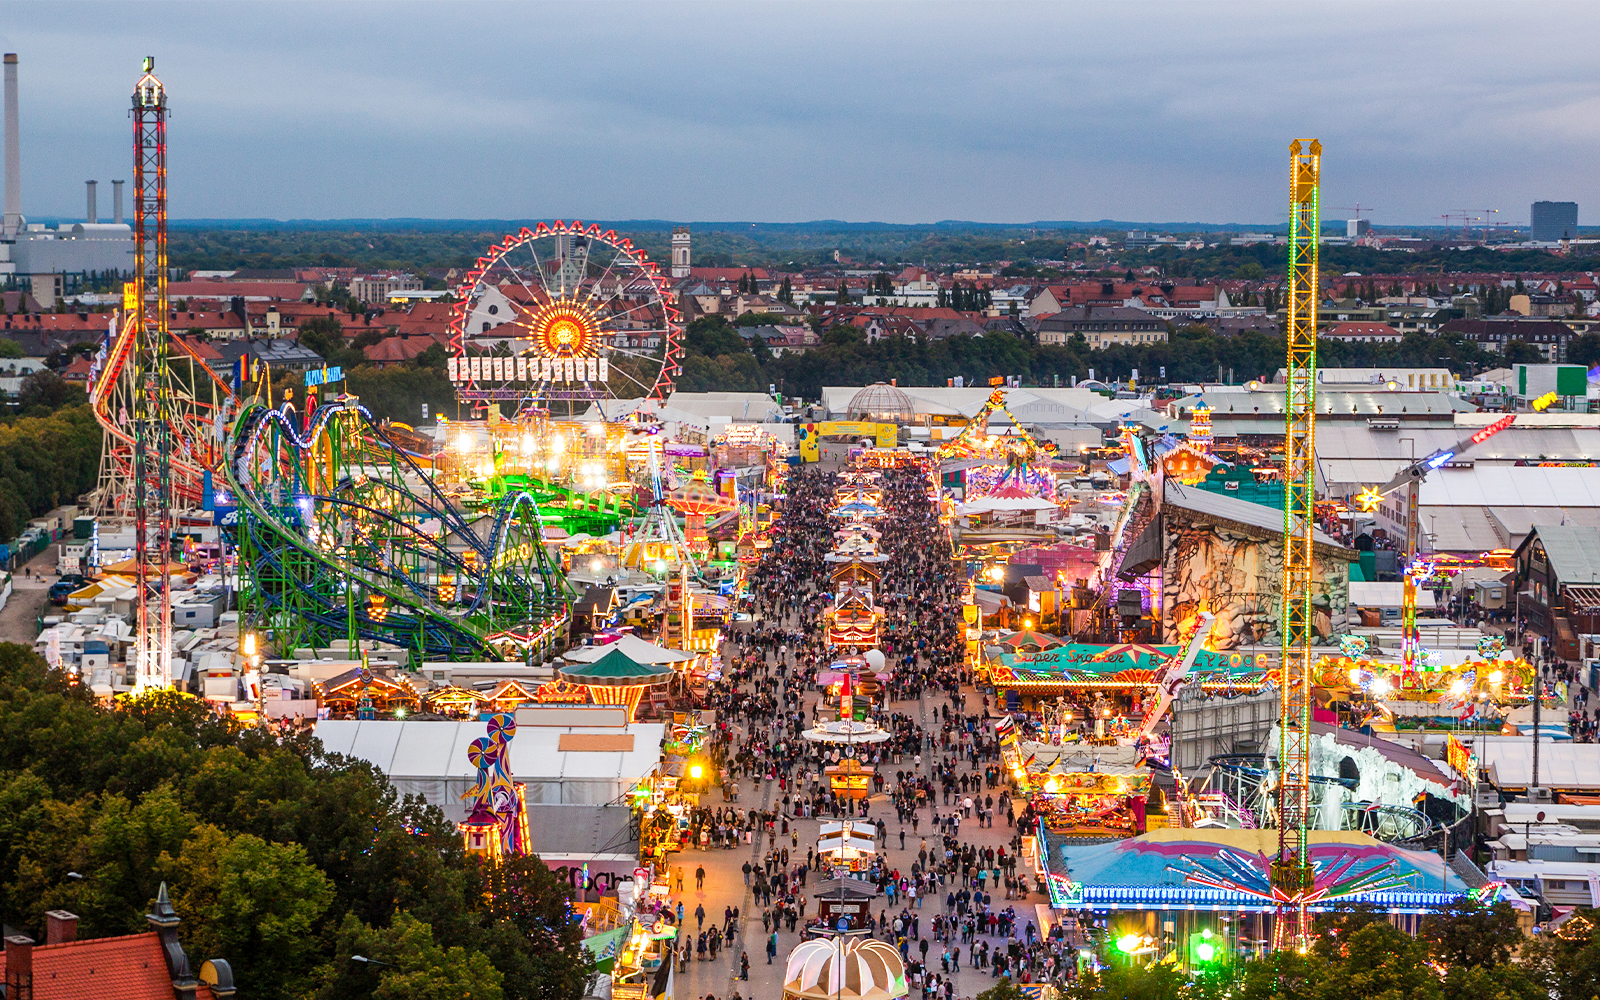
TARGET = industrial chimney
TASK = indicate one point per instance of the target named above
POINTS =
(12, 223)
(92, 215)
(116, 202)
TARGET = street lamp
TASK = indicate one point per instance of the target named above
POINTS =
(364, 960)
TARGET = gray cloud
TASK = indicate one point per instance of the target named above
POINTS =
(898, 112)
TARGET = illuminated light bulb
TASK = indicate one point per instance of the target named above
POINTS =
(1496, 677)
(1459, 687)
(1380, 687)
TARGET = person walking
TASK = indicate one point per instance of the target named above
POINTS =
(700, 877)
(744, 965)
(700, 916)
(772, 947)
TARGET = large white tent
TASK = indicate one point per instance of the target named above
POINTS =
(430, 759)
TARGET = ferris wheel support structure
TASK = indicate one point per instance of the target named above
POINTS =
(564, 311)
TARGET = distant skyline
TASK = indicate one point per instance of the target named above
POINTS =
(866, 112)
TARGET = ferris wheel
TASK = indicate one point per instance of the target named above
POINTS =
(564, 312)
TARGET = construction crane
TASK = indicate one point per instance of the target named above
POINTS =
(1411, 478)
(1467, 219)
(146, 297)
(1292, 876)
(1487, 222)
(1356, 208)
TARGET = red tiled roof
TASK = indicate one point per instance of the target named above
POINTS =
(78, 371)
(726, 273)
(393, 350)
(130, 967)
(1363, 330)
(204, 321)
(57, 322)
(289, 291)
(202, 349)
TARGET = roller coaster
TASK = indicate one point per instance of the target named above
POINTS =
(343, 536)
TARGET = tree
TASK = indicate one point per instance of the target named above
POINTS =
(1119, 981)
(1003, 990)
(527, 898)
(415, 966)
(1471, 934)
(10, 348)
(1520, 352)
(1380, 961)
(843, 334)
(255, 902)
(45, 391)
(1584, 349)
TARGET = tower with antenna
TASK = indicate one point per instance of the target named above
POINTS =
(146, 299)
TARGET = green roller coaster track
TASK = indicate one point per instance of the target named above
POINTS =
(342, 536)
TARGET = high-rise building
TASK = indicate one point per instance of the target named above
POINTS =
(680, 252)
(1354, 228)
(1553, 220)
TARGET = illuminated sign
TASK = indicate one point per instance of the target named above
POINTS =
(1544, 402)
(562, 693)
(1496, 427)
(322, 376)
(1460, 757)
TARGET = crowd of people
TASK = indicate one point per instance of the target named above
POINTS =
(937, 779)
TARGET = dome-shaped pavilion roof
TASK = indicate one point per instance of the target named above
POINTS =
(844, 968)
(881, 403)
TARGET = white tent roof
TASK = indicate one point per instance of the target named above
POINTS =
(439, 749)
(632, 647)
(1386, 595)
(1565, 766)
(1506, 486)
(842, 845)
(986, 504)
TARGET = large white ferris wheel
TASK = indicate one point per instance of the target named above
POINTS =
(564, 312)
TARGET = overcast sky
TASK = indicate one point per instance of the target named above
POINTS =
(916, 112)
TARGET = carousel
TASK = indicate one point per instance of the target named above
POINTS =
(617, 679)
(1378, 691)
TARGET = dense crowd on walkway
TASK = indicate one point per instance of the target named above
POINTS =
(962, 898)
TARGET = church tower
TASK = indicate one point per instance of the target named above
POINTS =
(680, 252)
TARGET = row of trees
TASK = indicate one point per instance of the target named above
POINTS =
(281, 858)
(48, 459)
(1468, 953)
(717, 358)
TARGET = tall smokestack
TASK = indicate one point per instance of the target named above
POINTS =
(116, 202)
(13, 217)
(92, 215)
